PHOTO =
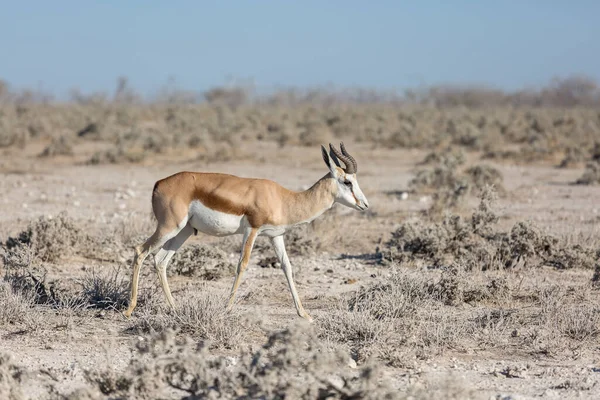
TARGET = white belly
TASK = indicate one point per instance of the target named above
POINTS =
(213, 222)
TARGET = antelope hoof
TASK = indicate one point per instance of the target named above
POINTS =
(127, 313)
(229, 306)
(307, 317)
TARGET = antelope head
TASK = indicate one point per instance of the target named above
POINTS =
(347, 191)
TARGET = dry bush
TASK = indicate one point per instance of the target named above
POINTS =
(457, 285)
(446, 156)
(221, 152)
(574, 155)
(444, 172)
(58, 147)
(115, 242)
(16, 306)
(290, 364)
(26, 275)
(201, 261)
(449, 184)
(479, 245)
(523, 132)
(399, 296)
(315, 135)
(11, 378)
(591, 175)
(51, 238)
(566, 319)
(367, 322)
(229, 96)
(358, 331)
(201, 313)
(302, 241)
(104, 290)
(410, 316)
(484, 175)
(117, 155)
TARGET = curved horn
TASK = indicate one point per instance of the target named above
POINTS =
(350, 158)
(347, 162)
(333, 155)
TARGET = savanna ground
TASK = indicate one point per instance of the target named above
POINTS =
(472, 275)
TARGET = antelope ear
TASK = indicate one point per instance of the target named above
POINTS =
(326, 157)
(329, 162)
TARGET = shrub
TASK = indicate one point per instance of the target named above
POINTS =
(51, 238)
(202, 261)
(201, 314)
(290, 364)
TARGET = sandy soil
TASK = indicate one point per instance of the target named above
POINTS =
(102, 195)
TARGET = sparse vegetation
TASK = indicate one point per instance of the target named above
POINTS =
(290, 364)
(452, 286)
(201, 314)
(201, 261)
(50, 238)
(104, 290)
(478, 245)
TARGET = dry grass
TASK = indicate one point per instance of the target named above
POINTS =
(450, 284)
(290, 364)
(218, 130)
(201, 314)
(479, 245)
(201, 261)
(450, 184)
(104, 290)
(413, 317)
(51, 238)
(16, 307)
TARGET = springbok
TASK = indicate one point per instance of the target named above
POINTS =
(223, 205)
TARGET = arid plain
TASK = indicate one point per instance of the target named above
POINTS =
(472, 275)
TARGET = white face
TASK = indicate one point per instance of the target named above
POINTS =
(348, 191)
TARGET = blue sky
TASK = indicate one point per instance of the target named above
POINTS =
(380, 44)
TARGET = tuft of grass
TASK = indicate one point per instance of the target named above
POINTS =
(16, 307)
(201, 314)
(106, 290)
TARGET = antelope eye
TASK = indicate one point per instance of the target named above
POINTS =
(348, 183)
